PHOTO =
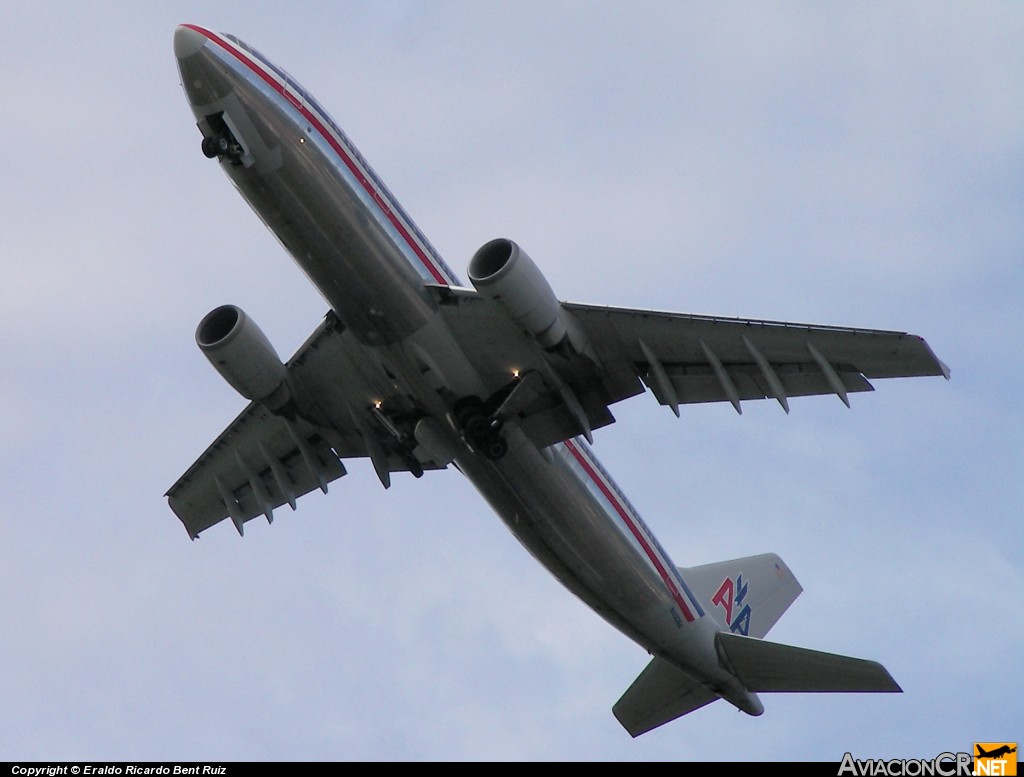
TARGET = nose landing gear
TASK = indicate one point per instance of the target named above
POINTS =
(222, 145)
(219, 139)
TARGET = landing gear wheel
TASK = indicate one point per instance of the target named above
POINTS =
(481, 432)
(465, 408)
(494, 447)
(477, 428)
(220, 146)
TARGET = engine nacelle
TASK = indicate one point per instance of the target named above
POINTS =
(243, 356)
(504, 272)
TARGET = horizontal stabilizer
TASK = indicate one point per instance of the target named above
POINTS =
(660, 694)
(749, 594)
(771, 667)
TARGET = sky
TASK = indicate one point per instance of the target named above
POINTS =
(853, 164)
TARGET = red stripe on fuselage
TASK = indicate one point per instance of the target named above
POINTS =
(633, 528)
(338, 148)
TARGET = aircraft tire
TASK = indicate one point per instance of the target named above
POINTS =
(494, 447)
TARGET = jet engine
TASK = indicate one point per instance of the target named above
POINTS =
(243, 356)
(504, 272)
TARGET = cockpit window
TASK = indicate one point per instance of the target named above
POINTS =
(281, 73)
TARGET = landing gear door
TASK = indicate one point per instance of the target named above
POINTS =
(245, 156)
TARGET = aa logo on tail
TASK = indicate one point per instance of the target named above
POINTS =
(731, 596)
(995, 758)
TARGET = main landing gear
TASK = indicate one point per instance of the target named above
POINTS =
(482, 431)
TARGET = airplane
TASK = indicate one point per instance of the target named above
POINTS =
(999, 751)
(416, 371)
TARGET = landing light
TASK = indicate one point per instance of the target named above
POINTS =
(376, 404)
(515, 374)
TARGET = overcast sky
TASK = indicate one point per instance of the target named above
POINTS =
(854, 164)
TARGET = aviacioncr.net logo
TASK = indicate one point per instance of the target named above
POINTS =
(943, 765)
(995, 758)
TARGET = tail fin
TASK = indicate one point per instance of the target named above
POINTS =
(749, 594)
(771, 667)
(661, 693)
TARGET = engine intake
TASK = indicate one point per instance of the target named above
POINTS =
(243, 355)
(504, 272)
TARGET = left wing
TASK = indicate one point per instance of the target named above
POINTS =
(682, 358)
(688, 358)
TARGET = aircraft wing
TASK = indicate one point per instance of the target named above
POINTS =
(682, 358)
(264, 460)
(688, 358)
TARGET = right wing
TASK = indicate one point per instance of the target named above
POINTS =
(261, 461)
(264, 460)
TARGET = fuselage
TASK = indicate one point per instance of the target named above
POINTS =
(330, 211)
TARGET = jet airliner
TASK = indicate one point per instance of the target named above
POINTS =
(999, 751)
(416, 371)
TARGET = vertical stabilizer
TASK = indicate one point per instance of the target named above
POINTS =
(747, 594)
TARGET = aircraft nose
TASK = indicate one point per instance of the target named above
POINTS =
(187, 41)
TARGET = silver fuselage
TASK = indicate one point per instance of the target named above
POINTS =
(314, 191)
